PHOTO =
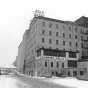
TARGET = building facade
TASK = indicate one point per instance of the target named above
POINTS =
(52, 47)
(82, 69)
(83, 62)
(20, 58)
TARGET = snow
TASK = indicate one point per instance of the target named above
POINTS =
(66, 81)
(7, 82)
(70, 82)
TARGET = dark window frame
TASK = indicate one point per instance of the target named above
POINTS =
(50, 25)
(50, 41)
(52, 64)
(43, 32)
(57, 33)
(50, 33)
(43, 40)
(70, 36)
(63, 43)
(57, 65)
(63, 35)
(45, 63)
(57, 42)
(70, 43)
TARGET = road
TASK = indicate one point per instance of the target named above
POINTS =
(26, 82)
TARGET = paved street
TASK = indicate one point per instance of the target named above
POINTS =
(25, 82)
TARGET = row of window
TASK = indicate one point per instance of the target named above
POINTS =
(57, 34)
(56, 53)
(71, 63)
(57, 42)
(57, 26)
(52, 64)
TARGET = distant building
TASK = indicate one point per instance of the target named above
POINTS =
(52, 47)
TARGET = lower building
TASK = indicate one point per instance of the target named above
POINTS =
(50, 62)
(82, 69)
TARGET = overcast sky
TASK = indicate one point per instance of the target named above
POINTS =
(15, 16)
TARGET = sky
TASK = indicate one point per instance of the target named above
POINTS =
(15, 16)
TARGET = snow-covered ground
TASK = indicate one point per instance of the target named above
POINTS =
(10, 82)
(7, 82)
(70, 82)
(66, 81)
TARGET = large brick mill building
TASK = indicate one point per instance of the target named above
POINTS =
(52, 47)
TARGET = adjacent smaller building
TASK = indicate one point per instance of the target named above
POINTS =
(82, 69)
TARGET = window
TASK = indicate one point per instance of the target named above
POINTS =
(50, 25)
(43, 24)
(69, 28)
(45, 64)
(38, 53)
(43, 32)
(50, 33)
(57, 42)
(51, 52)
(52, 73)
(68, 73)
(82, 45)
(43, 40)
(51, 64)
(81, 73)
(56, 73)
(56, 26)
(76, 44)
(76, 29)
(69, 35)
(75, 36)
(70, 44)
(72, 54)
(56, 33)
(57, 64)
(62, 65)
(61, 54)
(64, 43)
(81, 37)
(72, 63)
(63, 35)
(74, 73)
(50, 41)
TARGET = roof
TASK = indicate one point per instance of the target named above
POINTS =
(56, 20)
(82, 21)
